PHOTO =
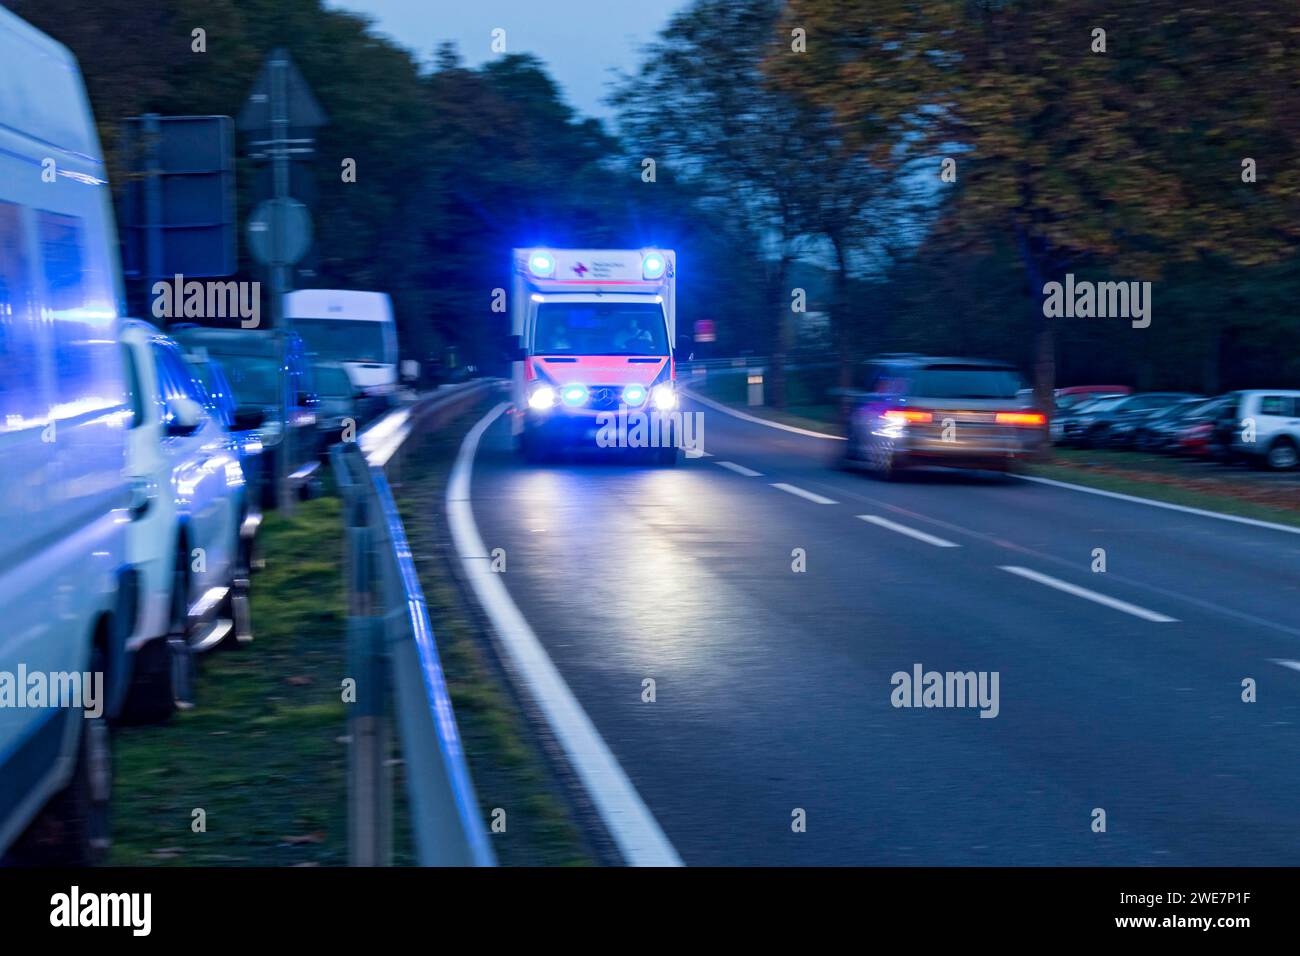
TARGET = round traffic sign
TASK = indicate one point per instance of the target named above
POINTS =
(279, 232)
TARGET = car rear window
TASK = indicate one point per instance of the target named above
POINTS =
(965, 381)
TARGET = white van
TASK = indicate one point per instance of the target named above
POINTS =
(353, 328)
(66, 591)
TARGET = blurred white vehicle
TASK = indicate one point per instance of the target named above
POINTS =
(185, 537)
(66, 588)
(353, 328)
(1262, 426)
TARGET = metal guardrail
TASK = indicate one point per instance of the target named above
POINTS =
(393, 657)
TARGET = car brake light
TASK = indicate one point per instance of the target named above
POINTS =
(1021, 418)
(908, 416)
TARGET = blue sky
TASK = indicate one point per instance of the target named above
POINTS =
(582, 41)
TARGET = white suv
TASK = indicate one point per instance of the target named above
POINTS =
(189, 502)
(1262, 426)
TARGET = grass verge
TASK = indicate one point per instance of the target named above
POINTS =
(1224, 490)
(262, 753)
(509, 767)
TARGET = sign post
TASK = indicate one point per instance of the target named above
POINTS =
(279, 233)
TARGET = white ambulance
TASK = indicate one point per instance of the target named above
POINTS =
(593, 337)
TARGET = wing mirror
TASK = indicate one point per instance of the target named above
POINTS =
(249, 417)
(187, 416)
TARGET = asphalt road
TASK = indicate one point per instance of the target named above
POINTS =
(773, 687)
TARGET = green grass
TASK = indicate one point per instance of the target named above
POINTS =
(262, 752)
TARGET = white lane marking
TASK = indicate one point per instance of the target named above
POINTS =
(1187, 509)
(1294, 665)
(814, 498)
(760, 421)
(1087, 595)
(633, 827)
(910, 532)
(739, 469)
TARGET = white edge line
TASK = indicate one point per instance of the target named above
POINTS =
(1087, 595)
(739, 469)
(810, 496)
(760, 421)
(910, 532)
(633, 827)
(1188, 509)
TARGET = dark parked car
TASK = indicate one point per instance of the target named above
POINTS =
(1155, 430)
(1111, 421)
(267, 371)
(1193, 433)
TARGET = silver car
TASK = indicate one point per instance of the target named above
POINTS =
(919, 410)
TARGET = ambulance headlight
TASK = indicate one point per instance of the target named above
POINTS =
(541, 264)
(664, 397)
(634, 395)
(652, 265)
(574, 395)
(542, 398)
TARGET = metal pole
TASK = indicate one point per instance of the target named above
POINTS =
(152, 136)
(279, 274)
(370, 798)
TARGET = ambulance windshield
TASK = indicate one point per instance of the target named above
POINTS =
(600, 328)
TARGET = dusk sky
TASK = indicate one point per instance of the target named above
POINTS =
(582, 41)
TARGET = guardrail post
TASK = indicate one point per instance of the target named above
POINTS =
(370, 792)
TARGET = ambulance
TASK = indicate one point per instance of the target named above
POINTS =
(593, 338)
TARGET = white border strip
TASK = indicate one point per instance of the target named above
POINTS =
(910, 532)
(739, 469)
(806, 495)
(1087, 595)
(759, 421)
(1186, 509)
(634, 829)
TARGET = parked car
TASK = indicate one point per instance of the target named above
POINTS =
(185, 537)
(343, 402)
(1130, 431)
(1193, 433)
(1261, 427)
(268, 372)
(222, 405)
(1073, 420)
(914, 410)
(1077, 394)
(355, 329)
(66, 585)
(1071, 399)
(1102, 425)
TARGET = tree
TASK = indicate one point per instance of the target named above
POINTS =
(1132, 156)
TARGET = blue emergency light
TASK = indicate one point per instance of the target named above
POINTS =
(574, 395)
(652, 265)
(541, 264)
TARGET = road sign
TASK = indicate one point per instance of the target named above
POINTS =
(178, 211)
(279, 232)
(301, 108)
(705, 331)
